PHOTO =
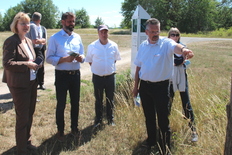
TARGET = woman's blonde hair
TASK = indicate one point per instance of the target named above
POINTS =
(174, 29)
(21, 16)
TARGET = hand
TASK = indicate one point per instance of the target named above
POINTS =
(188, 53)
(135, 92)
(32, 65)
(69, 58)
(79, 58)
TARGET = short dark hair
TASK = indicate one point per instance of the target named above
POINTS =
(152, 21)
(66, 14)
(36, 16)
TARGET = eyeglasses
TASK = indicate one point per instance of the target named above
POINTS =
(153, 32)
(24, 24)
(174, 35)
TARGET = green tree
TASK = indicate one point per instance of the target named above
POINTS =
(187, 15)
(9, 16)
(224, 14)
(50, 12)
(1, 23)
(98, 22)
(82, 18)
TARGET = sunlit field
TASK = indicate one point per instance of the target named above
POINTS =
(209, 85)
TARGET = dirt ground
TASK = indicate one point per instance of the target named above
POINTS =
(5, 97)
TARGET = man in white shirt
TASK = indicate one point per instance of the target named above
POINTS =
(154, 69)
(102, 55)
(38, 36)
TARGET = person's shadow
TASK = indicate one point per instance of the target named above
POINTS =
(5, 105)
(53, 147)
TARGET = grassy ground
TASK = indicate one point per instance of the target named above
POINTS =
(209, 82)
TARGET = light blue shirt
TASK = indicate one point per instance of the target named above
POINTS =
(59, 45)
(103, 57)
(156, 60)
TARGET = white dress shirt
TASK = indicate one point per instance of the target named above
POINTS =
(103, 57)
(156, 60)
(59, 45)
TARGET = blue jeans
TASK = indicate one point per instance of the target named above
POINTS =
(155, 102)
(101, 84)
(65, 82)
(186, 105)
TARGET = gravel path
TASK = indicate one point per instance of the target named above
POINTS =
(85, 68)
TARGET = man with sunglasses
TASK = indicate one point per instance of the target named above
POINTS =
(66, 52)
(153, 73)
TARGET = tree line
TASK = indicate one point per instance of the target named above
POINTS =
(189, 16)
(51, 15)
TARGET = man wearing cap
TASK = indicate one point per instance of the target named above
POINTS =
(102, 55)
(38, 35)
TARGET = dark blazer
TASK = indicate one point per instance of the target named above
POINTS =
(15, 57)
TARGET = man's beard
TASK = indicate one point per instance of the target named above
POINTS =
(69, 28)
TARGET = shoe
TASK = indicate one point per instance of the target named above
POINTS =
(75, 133)
(37, 100)
(42, 87)
(30, 146)
(146, 146)
(194, 136)
(60, 136)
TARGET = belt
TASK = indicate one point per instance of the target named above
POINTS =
(70, 72)
(104, 76)
(158, 82)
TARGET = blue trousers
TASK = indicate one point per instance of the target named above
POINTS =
(186, 105)
(65, 82)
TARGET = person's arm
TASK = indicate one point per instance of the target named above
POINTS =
(136, 84)
(52, 57)
(180, 49)
(13, 59)
(81, 57)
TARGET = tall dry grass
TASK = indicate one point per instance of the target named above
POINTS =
(209, 84)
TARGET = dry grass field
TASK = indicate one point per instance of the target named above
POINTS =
(209, 85)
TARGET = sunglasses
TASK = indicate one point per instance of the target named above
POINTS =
(173, 35)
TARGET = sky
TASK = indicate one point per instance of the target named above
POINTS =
(107, 10)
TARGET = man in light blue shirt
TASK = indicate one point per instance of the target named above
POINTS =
(154, 69)
(66, 52)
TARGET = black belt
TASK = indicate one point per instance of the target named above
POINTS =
(158, 82)
(70, 72)
(104, 76)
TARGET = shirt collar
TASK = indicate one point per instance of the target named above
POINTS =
(157, 43)
(63, 33)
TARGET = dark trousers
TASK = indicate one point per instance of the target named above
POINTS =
(40, 73)
(186, 105)
(155, 101)
(102, 84)
(24, 100)
(64, 82)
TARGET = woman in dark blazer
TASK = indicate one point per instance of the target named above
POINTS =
(20, 75)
